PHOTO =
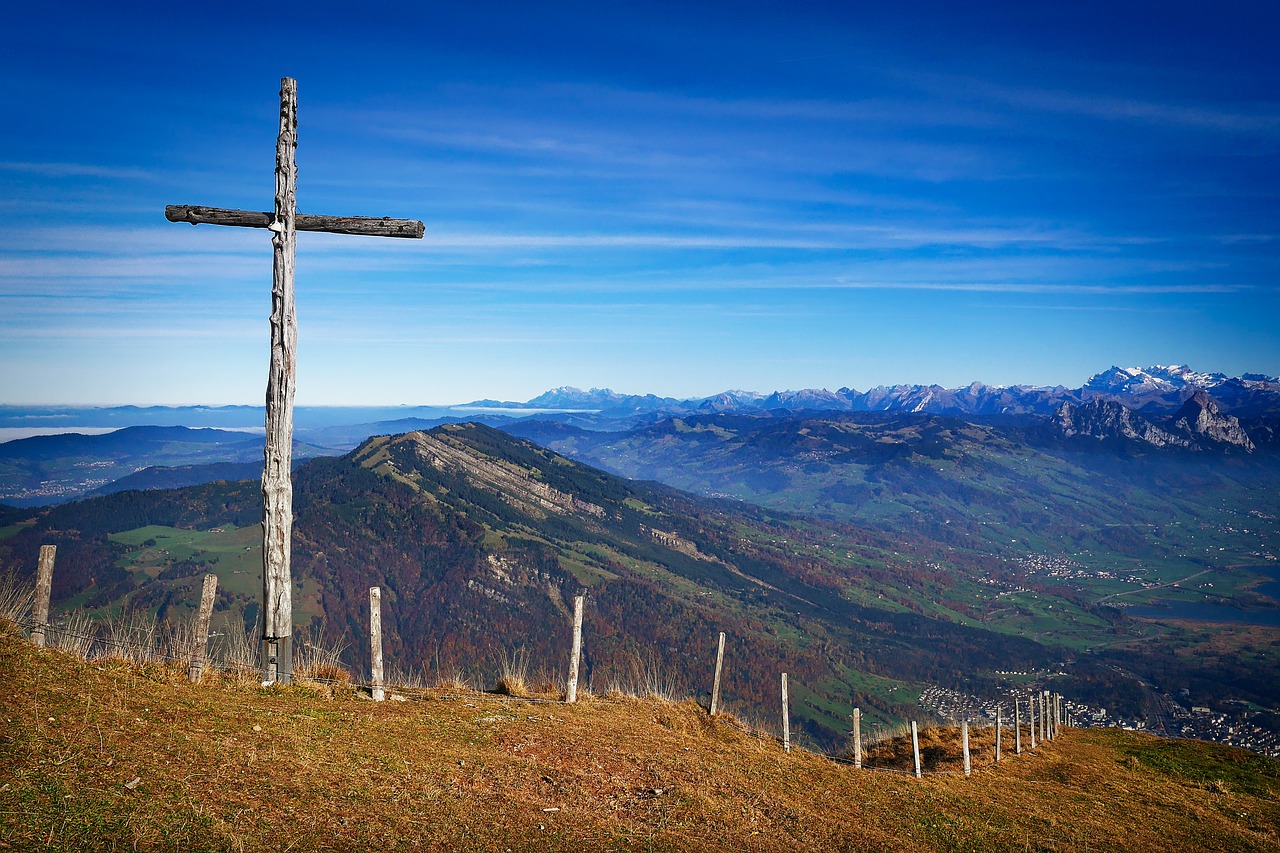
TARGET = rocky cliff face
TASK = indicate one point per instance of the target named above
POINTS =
(1200, 420)
(1107, 420)
(1198, 426)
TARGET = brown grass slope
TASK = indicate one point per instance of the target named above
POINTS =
(109, 756)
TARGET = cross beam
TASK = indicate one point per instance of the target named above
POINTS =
(363, 226)
(277, 486)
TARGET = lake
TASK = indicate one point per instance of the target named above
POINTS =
(1201, 611)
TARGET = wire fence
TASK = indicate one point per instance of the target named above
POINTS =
(141, 640)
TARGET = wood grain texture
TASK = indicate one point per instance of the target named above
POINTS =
(786, 716)
(857, 737)
(375, 644)
(999, 732)
(44, 585)
(277, 486)
(362, 226)
(1017, 728)
(715, 685)
(201, 640)
(915, 748)
(575, 656)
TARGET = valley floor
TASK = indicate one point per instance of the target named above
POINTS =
(106, 755)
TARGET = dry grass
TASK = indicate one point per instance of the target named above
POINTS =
(15, 599)
(247, 768)
(514, 680)
(316, 660)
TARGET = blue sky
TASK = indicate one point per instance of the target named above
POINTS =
(671, 198)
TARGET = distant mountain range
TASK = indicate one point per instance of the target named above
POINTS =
(1126, 410)
(1158, 389)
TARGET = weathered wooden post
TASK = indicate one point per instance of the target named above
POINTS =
(964, 746)
(857, 738)
(715, 684)
(200, 642)
(571, 691)
(375, 644)
(277, 487)
(999, 732)
(915, 748)
(786, 716)
(1017, 727)
(1031, 714)
(44, 587)
(1044, 727)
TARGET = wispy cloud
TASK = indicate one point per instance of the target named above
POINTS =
(1036, 287)
(80, 170)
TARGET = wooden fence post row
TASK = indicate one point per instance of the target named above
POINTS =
(915, 748)
(375, 644)
(715, 685)
(1017, 727)
(857, 737)
(44, 584)
(200, 642)
(571, 689)
(998, 734)
(786, 716)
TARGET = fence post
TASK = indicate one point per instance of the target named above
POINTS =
(715, 685)
(857, 738)
(999, 732)
(1044, 722)
(571, 691)
(200, 641)
(44, 584)
(1017, 727)
(915, 748)
(1031, 715)
(375, 643)
(964, 746)
(786, 716)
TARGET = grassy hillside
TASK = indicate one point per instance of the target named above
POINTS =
(110, 756)
(479, 541)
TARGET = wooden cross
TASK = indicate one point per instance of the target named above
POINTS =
(277, 489)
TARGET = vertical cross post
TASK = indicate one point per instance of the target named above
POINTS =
(715, 684)
(201, 640)
(44, 587)
(277, 485)
(964, 746)
(575, 656)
